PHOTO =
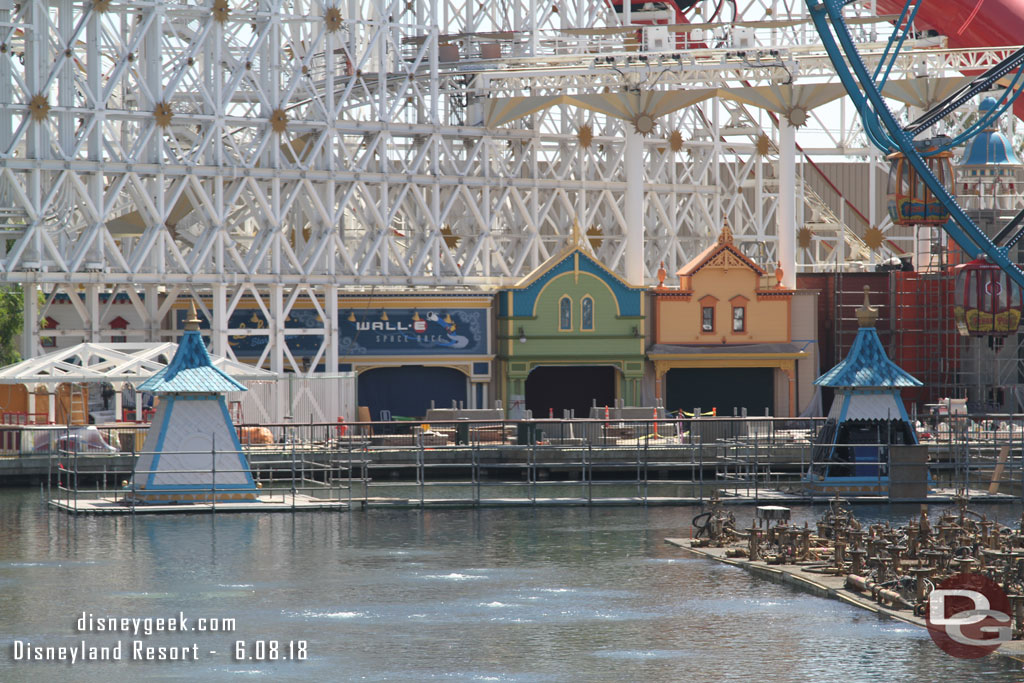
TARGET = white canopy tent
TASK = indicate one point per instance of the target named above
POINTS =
(120, 364)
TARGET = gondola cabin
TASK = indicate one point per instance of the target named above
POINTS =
(987, 302)
(910, 201)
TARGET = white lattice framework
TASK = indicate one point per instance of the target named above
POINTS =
(275, 151)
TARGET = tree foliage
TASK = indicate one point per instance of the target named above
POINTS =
(11, 320)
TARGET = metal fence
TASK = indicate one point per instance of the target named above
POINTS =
(578, 461)
(276, 481)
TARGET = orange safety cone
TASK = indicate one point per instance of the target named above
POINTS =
(656, 424)
(342, 428)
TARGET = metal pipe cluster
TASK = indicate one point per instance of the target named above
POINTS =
(898, 566)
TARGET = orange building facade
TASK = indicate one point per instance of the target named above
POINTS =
(731, 338)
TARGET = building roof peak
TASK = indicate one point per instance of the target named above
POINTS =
(191, 370)
(866, 364)
(725, 237)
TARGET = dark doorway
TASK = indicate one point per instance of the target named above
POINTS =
(722, 388)
(561, 388)
(406, 391)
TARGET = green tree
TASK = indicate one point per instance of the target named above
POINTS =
(11, 307)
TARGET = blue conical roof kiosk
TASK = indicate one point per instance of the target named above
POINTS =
(850, 454)
(192, 453)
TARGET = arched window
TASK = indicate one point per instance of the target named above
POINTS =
(587, 314)
(565, 314)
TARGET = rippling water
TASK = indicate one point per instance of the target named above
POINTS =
(514, 594)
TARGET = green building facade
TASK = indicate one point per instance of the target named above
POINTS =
(569, 334)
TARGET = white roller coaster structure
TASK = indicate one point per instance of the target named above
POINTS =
(281, 151)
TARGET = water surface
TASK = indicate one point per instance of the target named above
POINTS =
(512, 594)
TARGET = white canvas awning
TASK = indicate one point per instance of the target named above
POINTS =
(130, 363)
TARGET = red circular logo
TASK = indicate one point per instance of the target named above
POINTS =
(968, 616)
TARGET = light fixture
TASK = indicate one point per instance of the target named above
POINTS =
(351, 316)
(522, 336)
(384, 316)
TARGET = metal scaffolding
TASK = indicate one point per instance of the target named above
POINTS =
(269, 153)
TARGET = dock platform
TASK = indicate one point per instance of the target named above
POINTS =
(108, 502)
(763, 497)
(266, 503)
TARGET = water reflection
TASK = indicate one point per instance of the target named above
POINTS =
(515, 594)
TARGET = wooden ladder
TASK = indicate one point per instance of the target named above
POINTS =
(74, 406)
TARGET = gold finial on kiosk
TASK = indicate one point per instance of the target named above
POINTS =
(867, 315)
(192, 324)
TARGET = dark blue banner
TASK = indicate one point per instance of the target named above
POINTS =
(370, 332)
(251, 346)
(404, 332)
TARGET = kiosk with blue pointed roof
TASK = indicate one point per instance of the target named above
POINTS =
(192, 452)
(851, 451)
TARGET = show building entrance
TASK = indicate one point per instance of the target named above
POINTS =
(552, 389)
(406, 391)
(723, 388)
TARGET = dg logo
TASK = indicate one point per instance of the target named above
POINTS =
(969, 616)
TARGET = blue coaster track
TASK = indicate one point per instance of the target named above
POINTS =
(887, 134)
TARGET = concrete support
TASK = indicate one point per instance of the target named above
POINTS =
(332, 332)
(276, 325)
(219, 324)
(634, 206)
(30, 321)
(277, 353)
(92, 304)
(786, 213)
(152, 303)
